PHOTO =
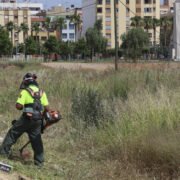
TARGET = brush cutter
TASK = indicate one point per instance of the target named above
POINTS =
(50, 117)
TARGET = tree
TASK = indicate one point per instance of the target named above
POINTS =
(76, 19)
(47, 25)
(81, 47)
(25, 29)
(63, 49)
(98, 25)
(50, 46)
(31, 46)
(134, 42)
(96, 42)
(10, 27)
(155, 24)
(5, 43)
(147, 23)
(166, 24)
(36, 28)
(59, 23)
(136, 21)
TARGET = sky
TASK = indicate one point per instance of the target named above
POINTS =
(67, 3)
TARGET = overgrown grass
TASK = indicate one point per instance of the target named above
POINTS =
(122, 125)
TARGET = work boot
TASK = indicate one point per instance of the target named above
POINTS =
(39, 164)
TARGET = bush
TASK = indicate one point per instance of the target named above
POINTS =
(87, 107)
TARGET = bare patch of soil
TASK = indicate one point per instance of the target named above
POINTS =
(110, 66)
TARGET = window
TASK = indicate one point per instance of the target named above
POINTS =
(15, 16)
(108, 10)
(138, 10)
(138, 1)
(127, 10)
(147, 10)
(108, 2)
(71, 36)
(65, 26)
(25, 16)
(147, 1)
(127, 18)
(99, 10)
(108, 18)
(64, 35)
(154, 9)
(6, 17)
(99, 2)
(108, 27)
(71, 26)
(43, 38)
(127, 1)
(108, 36)
(154, 1)
(127, 27)
(109, 44)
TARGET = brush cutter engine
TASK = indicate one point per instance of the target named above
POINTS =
(52, 117)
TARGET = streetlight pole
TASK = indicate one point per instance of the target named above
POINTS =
(116, 38)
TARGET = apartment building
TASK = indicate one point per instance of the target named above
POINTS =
(167, 7)
(68, 32)
(125, 9)
(169, 3)
(34, 8)
(43, 34)
(17, 17)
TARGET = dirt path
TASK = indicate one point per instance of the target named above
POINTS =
(110, 66)
(79, 66)
(12, 176)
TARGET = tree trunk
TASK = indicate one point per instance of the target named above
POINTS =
(60, 33)
(48, 33)
(36, 38)
(75, 33)
(154, 35)
(12, 37)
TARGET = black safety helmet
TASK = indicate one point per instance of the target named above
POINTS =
(28, 79)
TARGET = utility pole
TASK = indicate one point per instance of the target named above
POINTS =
(116, 40)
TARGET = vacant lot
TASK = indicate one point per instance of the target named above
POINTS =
(110, 66)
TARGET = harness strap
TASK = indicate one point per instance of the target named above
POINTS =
(35, 95)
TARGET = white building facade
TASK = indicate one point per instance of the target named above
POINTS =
(34, 8)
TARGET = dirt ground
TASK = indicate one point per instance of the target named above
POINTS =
(110, 66)
(12, 176)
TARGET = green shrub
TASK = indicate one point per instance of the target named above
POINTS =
(87, 106)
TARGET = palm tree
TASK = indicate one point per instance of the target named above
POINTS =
(47, 25)
(166, 23)
(98, 25)
(17, 31)
(136, 21)
(25, 29)
(10, 27)
(147, 22)
(155, 23)
(59, 23)
(76, 19)
(36, 28)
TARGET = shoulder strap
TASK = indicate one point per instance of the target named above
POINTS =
(30, 91)
(35, 94)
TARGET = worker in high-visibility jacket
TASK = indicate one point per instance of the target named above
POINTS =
(34, 103)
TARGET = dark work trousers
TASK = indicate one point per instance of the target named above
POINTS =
(33, 128)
